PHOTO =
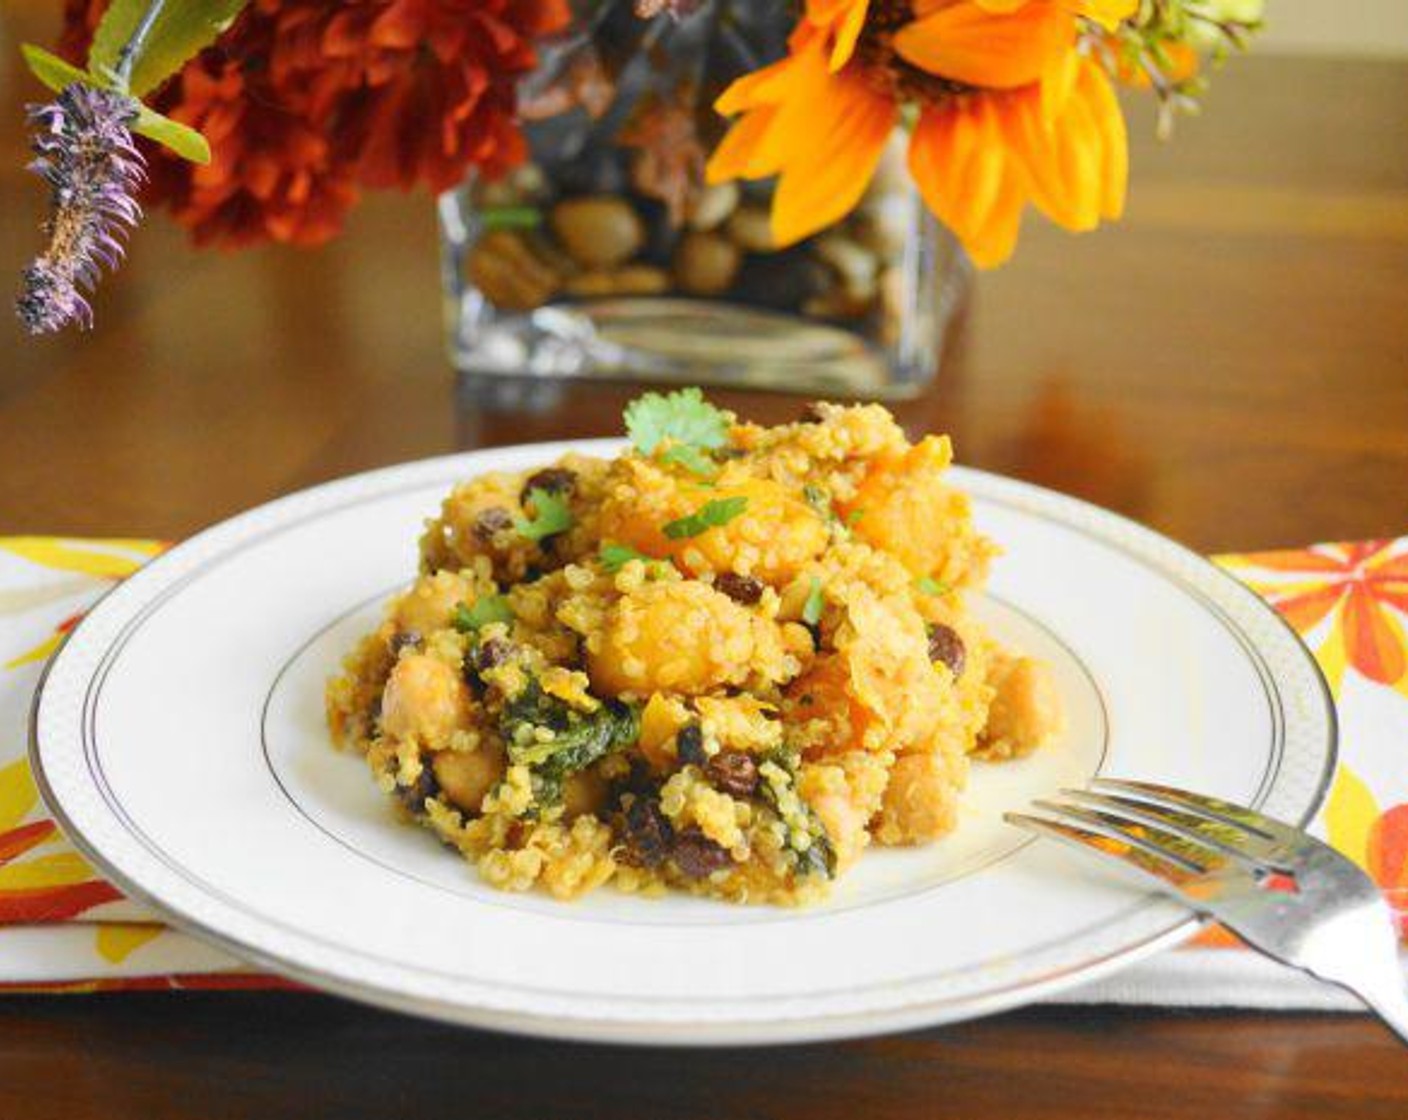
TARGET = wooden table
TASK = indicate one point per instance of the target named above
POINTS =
(1229, 365)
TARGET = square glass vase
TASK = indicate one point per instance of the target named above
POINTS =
(606, 255)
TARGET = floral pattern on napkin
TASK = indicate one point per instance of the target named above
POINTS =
(1348, 601)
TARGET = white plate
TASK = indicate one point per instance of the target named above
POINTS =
(179, 737)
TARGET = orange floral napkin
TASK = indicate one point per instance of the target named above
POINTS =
(62, 928)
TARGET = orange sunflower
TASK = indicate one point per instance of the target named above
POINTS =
(1009, 111)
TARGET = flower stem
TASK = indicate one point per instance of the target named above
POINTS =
(127, 57)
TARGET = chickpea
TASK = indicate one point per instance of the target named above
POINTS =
(921, 800)
(430, 604)
(424, 699)
(466, 776)
(1025, 712)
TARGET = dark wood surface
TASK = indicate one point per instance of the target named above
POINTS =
(1229, 365)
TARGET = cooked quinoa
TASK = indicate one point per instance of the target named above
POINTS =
(725, 661)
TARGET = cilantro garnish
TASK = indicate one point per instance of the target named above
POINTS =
(819, 499)
(485, 609)
(816, 600)
(931, 586)
(615, 556)
(854, 516)
(689, 457)
(684, 419)
(551, 515)
(717, 511)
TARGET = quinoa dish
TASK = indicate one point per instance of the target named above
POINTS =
(726, 661)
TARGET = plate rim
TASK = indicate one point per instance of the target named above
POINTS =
(785, 1027)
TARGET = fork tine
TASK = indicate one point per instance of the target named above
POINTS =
(1210, 808)
(1228, 837)
(1169, 868)
(1196, 857)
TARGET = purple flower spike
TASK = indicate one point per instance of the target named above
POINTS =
(83, 149)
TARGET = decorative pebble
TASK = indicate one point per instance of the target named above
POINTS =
(784, 281)
(598, 231)
(887, 224)
(837, 304)
(855, 266)
(705, 263)
(641, 280)
(509, 273)
(712, 206)
(751, 228)
(633, 280)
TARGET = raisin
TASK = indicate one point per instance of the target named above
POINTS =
(689, 744)
(648, 833)
(552, 480)
(947, 647)
(733, 772)
(489, 653)
(697, 856)
(741, 589)
(414, 796)
(493, 520)
(639, 781)
(404, 639)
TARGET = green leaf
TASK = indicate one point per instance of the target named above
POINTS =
(816, 601)
(691, 458)
(185, 141)
(717, 511)
(615, 556)
(183, 28)
(551, 515)
(57, 74)
(486, 609)
(683, 416)
(931, 586)
(511, 217)
(50, 69)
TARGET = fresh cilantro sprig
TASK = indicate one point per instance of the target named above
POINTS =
(683, 421)
(931, 586)
(551, 515)
(614, 556)
(816, 602)
(690, 458)
(715, 512)
(484, 610)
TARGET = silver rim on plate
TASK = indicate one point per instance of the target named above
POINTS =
(69, 772)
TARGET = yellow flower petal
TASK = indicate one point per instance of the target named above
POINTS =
(18, 794)
(983, 48)
(116, 941)
(952, 150)
(831, 167)
(91, 558)
(41, 652)
(1350, 812)
(59, 870)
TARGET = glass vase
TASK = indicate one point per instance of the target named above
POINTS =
(606, 255)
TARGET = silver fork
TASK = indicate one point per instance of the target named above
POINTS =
(1283, 892)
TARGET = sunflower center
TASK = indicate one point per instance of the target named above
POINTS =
(889, 74)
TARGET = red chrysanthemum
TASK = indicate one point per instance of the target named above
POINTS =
(302, 100)
(421, 90)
